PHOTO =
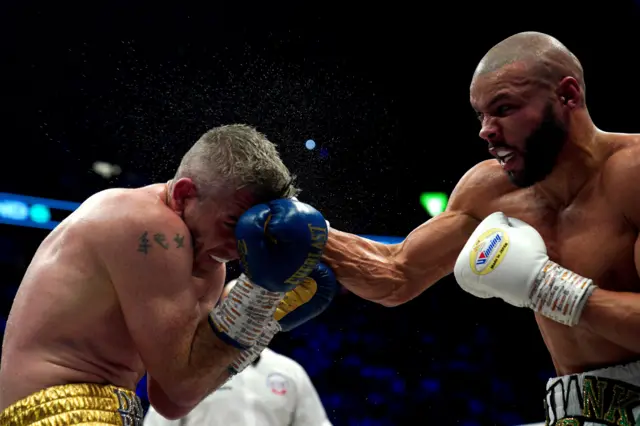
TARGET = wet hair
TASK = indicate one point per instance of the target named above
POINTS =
(232, 157)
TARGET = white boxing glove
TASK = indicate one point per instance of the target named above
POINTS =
(507, 258)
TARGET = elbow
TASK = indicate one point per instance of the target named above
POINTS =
(401, 291)
(406, 283)
(171, 412)
(173, 401)
(395, 298)
(184, 398)
(392, 301)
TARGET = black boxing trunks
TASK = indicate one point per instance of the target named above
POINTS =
(610, 396)
(76, 404)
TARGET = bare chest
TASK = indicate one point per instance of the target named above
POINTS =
(589, 237)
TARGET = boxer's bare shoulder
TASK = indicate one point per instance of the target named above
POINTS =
(480, 188)
(66, 324)
(603, 215)
(394, 274)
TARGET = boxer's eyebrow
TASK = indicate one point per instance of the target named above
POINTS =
(497, 98)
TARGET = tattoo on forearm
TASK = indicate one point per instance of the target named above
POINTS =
(144, 244)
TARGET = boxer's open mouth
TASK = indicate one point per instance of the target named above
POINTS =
(218, 259)
(504, 155)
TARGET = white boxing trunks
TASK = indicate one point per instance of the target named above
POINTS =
(610, 396)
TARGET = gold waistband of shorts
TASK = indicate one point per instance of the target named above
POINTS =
(75, 404)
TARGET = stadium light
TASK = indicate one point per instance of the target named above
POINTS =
(434, 202)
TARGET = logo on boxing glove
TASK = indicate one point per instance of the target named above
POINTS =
(318, 236)
(488, 251)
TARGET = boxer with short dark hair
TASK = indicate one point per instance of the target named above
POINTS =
(128, 282)
(551, 224)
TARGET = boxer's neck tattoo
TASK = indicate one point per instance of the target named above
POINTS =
(161, 240)
(143, 246)
(179, 239)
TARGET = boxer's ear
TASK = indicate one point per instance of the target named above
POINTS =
(569, 93)
(182, 190)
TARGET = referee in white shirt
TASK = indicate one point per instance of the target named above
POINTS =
(274, 391)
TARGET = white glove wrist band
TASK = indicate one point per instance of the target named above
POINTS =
(245, 313)
(560, 294)
(248, 356)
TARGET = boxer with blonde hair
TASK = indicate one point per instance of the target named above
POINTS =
(126, 286)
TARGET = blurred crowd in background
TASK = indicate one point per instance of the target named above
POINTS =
(384, 95)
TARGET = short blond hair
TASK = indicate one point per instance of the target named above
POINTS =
(236, 156)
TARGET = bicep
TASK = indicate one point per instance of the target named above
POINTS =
(429, 253)
(152, 278)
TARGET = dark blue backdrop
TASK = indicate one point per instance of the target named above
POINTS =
(381, 89)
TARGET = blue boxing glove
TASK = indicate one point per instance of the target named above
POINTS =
(280, 243)
(306, 301)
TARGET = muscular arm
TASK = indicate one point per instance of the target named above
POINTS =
(614, 316)
(394, 274)
(151, 273)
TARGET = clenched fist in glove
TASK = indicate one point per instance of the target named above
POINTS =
(507, 258)
(280, 243)
(299, 305)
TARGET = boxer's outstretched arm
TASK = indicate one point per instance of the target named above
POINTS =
(394, 274)
(151, 269)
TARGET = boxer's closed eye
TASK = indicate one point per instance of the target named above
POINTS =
(504, 110)
(231, 222)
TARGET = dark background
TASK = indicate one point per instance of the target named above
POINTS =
(383, 90)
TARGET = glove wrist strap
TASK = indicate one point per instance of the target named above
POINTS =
(560, 294)
(248, 356)
(242, 316)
